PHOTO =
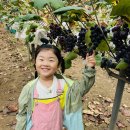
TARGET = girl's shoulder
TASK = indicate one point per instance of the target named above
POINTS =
(64, 79)
(30, 84)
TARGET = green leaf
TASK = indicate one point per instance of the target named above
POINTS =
(103, 46)
(1, 7)
(87, 37)
(71, 56)
(72, 15)
(29, 38)
(56, 4)
(122, 65)
(27, 17)
(121, 9)
(31, 17)
(39, 4)
(15, 2)
(68, 64)
(112, 1)
(68, 8)
(68, 59)
(98, 59)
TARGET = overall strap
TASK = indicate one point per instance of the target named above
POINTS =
(35, 95)
(59, 88)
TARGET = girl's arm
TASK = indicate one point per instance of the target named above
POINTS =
(80, 88)
(88, 78)
(22, 113)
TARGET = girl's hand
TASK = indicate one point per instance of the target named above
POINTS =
(90, 60)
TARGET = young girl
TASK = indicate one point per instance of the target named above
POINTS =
(52, 101)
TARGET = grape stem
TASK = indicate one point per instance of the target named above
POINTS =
(101, 29)
(56, 19)
(53, 16)
(110, 73)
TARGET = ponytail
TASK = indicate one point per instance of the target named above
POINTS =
(62, 65)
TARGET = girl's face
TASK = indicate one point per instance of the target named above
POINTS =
(46, 63)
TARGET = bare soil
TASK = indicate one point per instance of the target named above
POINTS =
(16, 70)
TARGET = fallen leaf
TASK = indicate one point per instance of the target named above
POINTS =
(107, 114)
(12, 107)
(88, 112)
(124, 105)
(128, 90)
(1, 118)
(97, 112)
(111, 105)
(108, 100)
(88, 123)
(91, 106)
(120, 124)
(107, 120)
(96, 102)
(100, 96)
(91, 118)
(125, 112)
(5, 111)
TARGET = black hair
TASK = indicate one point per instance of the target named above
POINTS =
(56, 51)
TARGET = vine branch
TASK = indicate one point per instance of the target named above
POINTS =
(111, 73)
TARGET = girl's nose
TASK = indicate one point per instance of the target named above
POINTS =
(45, 63)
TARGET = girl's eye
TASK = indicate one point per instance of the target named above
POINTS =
(41, 59)
(51, 60)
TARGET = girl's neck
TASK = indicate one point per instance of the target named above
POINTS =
(46, 81)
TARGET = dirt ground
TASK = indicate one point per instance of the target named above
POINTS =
(16, 71)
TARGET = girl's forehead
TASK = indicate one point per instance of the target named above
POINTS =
(47, 52)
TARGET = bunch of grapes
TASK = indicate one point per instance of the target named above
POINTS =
(107, 63)
(67, 42)
(55, 30)
(97, 35)
(121, 49)
(82, 47)
(65, 37)
(119, 39)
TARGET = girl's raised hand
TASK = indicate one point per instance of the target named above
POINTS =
(90, 60)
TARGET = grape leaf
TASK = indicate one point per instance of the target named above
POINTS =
(68, 8)
(27, 17)
(31, 17)
(122, 9)
(87, 37)
(39, 4)
(56, 4)
(98, 59)
(68, 64)
(71, 56)
(103, 46)
(122, 65)
(68, 59)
